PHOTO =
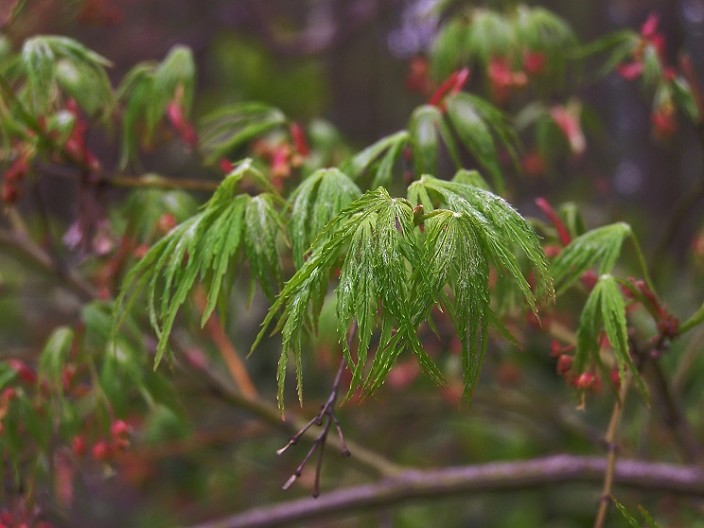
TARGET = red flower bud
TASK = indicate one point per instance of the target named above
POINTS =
(101, 451)
(78, 445)
(564, 364)
(25, 373)
(631, 70)
(299, 139)
(587, 380)
(615, 378)
(120, 428)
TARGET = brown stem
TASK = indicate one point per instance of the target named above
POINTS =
(159, 182)
(673, 417)
(227, 350)
(467, 480)
(147, 181)
(611, 438)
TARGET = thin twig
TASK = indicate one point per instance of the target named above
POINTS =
(469, 480)
(365, 459)
(611, 438)
(146, 181)
(326, 417)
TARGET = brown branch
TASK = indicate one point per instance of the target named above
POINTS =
(28, 251)
(159, 182)
(146, 181)
(673, 417)
(483, 478)
(610, 439)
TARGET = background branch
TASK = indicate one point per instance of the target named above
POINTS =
(485, 478)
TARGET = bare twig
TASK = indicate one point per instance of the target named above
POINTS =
(467, 480)
(326, 417)
(365, 459)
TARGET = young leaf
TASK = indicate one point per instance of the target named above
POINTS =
(373, 238)
(230, 127)
(599, 247)
(605, 309)
(426, 127)
(54, 355)
(360, 162)
(50, 61)
(314, 203)
(204, 248)
(474, 121)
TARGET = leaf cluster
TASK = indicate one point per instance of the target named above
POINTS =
(467, 123)
(478, 35)
(605, 308)
(146, 91)
(392, 274)
(208, 247)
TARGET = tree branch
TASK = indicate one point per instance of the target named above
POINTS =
(365, 459)
(27, 250)
(484, 478)
(611, 439)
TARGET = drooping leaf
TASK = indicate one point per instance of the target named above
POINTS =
(50, 62)
(55, 354)
(148, 89)
(205, 248)
(314, 203)
(605, 309)
(475, 122)
(372, 237)
(449, 49)
(598, 248)
(231, 127)
(505, 234)
(490, 34)
(427, 127)
(360, 162)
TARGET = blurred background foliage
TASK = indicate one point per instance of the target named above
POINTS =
(350, 63)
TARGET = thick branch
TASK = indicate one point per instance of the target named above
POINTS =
(503, 476)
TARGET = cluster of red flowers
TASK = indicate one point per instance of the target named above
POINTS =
(105, 449)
